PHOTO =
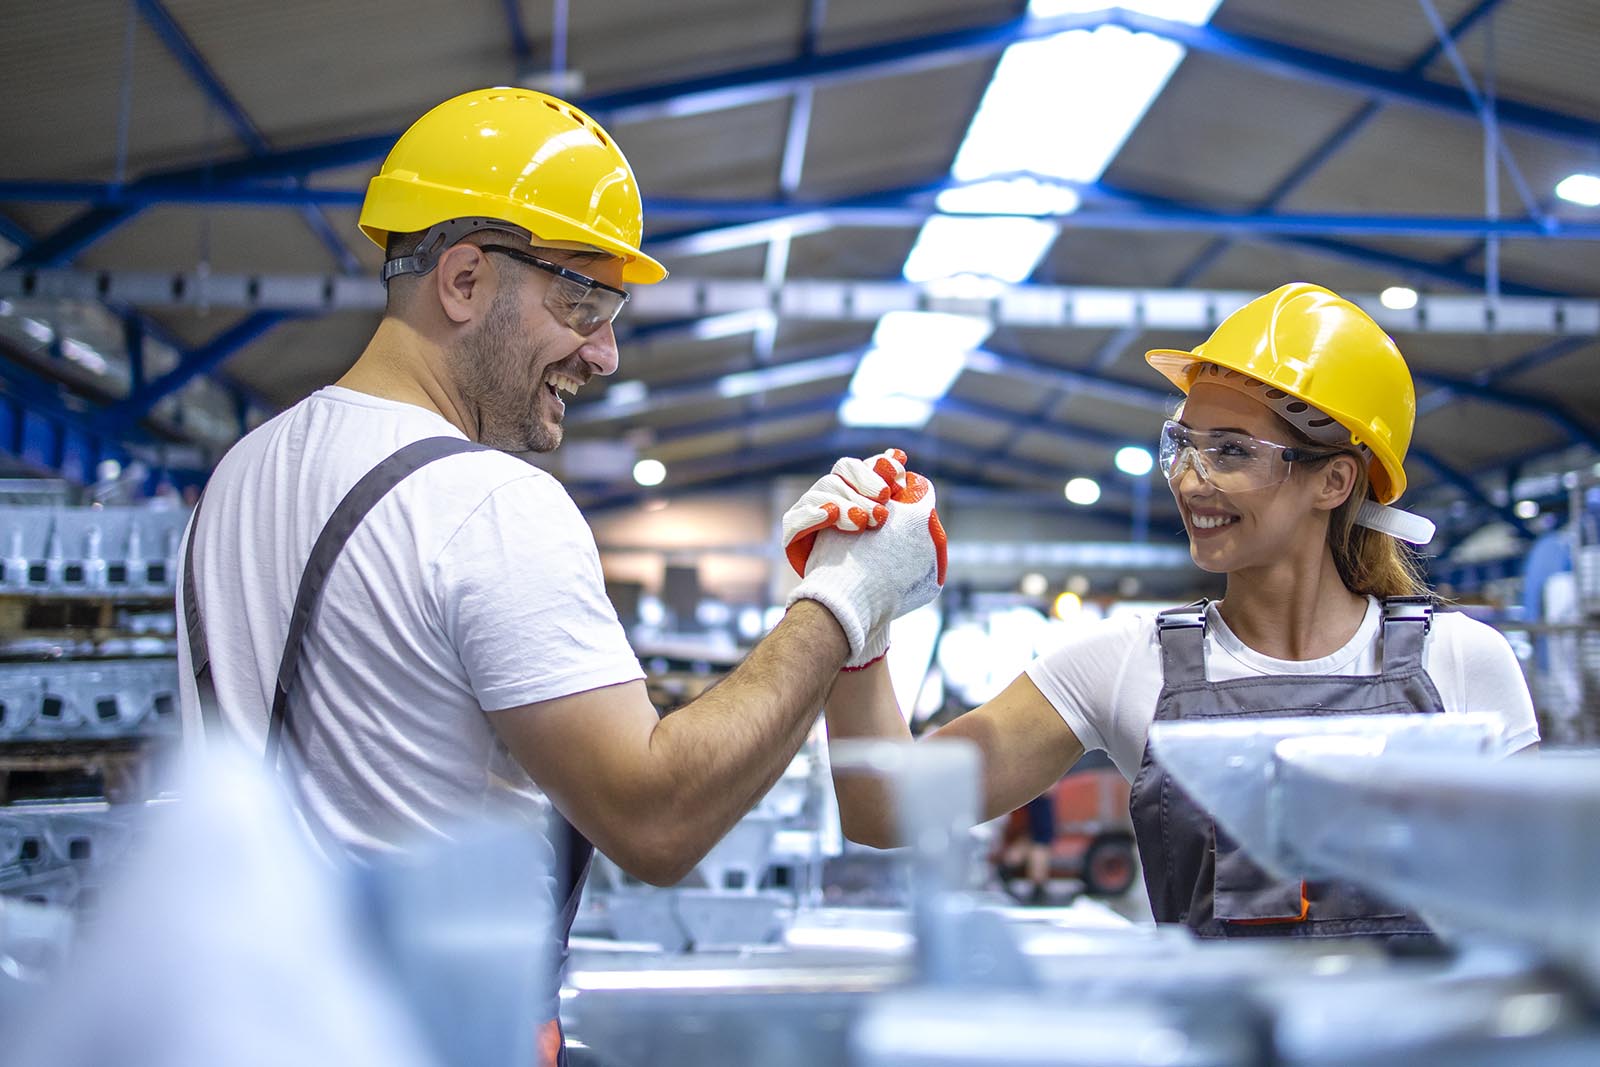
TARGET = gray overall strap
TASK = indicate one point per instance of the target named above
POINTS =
(1406, 621)
(1182, 633)
(362, 498)
(199, 652)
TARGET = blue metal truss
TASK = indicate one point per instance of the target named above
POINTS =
(38, 428)
(766, 81)
(182, 49)
(1470, 489)
(1117, 209)
(1550, 411)
(128, 412)
(1319, 156)
(521, 45)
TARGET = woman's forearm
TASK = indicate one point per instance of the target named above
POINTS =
(862, 705)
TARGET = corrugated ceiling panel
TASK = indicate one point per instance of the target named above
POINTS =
(299, 357)
(1472, 435)
(729, 153)
(850, 252)
(1225, 135)
(179, 238)
(890, 132)
(1382, 33)
(1544, 53)
(1102, 257)
(69, 58)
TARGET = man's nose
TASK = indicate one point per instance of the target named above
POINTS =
(600, 350)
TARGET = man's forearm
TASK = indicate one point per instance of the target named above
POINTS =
(726, 749)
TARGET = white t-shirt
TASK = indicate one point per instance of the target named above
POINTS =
(473, 586)
(1105, 682)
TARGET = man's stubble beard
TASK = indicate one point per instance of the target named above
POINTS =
(492, 368)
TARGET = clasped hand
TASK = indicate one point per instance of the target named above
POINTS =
(867, 543)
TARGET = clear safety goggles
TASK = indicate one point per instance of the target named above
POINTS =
(582, 304)
(1229, 462)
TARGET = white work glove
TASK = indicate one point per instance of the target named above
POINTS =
(863, 565)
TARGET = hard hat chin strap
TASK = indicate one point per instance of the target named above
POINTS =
(441, 236)
(1405, 525)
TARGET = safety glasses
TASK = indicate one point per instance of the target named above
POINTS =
(1229, 462)
(581, 303)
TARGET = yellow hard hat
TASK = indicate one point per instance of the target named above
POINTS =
(1318, 348)
(519, 157)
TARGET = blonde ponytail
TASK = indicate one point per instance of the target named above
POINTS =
(1369, 562)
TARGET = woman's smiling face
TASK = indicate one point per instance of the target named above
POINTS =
(1238, 530)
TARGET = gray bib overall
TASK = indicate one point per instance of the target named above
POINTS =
(1194, 872)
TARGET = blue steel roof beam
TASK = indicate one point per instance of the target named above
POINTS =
(1137, 212)
(182, 49)
(742, 421)
(1355, 253)
(773, 80)
(1548, 352)
(1067, 379)
(12, 231)
(1312, 163)
(36, 423)
(1468, 488)
(1546, 409)
(725, 386)
(132, 409)
(521, 46)
(1300, 64)
(62, 244)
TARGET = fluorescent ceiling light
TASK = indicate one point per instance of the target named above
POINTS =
(1134, 461)
(649, 472)
(921, 330)
(1398, 298)
(1009, 196)
(886, 372)
(1083, 491)
(905, 412)
(915, 359)
(785, 375)
(38, 331)
(1192, 12)
(964, 287)
(1007, 248)
(1057, 108)
(1095, 87)
(1581, 189)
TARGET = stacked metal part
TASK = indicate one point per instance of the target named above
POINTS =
(745, 892)
(1500, 855)
(88, 690)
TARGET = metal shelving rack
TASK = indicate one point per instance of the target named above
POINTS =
(88, 689)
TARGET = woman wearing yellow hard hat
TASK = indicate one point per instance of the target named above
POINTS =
(1284, 459)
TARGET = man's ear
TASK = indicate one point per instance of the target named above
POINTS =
(1338, 479)
(460, 281)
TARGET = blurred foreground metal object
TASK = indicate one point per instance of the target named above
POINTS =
(954, 980)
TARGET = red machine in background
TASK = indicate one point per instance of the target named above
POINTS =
(1093, 841)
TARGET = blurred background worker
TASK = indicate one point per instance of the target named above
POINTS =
(1283, 459)
(464, 656)
(1027, 853)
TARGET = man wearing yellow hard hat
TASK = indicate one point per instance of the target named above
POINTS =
(411, 624)
(1284, 460)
